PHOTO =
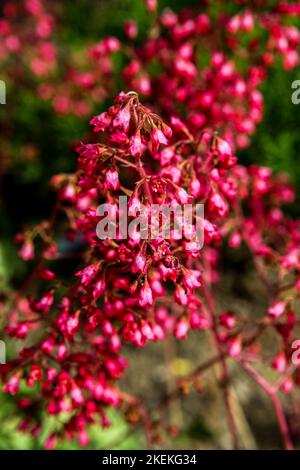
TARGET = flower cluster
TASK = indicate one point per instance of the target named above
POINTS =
(138, 290)
(26, 32)
(212, 62)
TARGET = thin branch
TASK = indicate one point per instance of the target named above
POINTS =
(272, 393)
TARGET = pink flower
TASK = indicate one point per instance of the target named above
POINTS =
(134, 205)
(12, 385)
(122, 119)
(139, 263)
(227, 320)
(199, 321)
(47, 345)
(177, 124)
(195, 187)
(151, 5)
(182, 196)
(235, 240)
(225, 152)
(147, 331)
(247, 21)
(111, 180)
(61, 352)
(114, 343)
(145, 297)
(291, 59)
(234, 346)
(233, 24)
(131, 29)
(35, 375)
(46, 274)
(99, 288)
(180, 295)
(77, 396)
(287, 385)
(277, 309)
(191, 279)
(72, 325)
(280, 362)
(20, 330)
(181, 329)
(27, 250)
(88, 273)
(50, 442)
(45, 303)
(166, 156)
(83, 438)
(135, 145)
(218, 204)
(101, 122)
(158, 332)
(157, 138)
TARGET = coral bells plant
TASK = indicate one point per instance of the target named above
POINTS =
(211, 63)
(140, 289)
(203, 65)
(118, 265)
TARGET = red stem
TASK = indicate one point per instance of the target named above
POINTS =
(272, 393)
(143, 176)
(225, 374)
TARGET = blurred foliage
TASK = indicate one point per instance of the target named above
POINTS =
(119, 435)
(277, 140)
(276, 143)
